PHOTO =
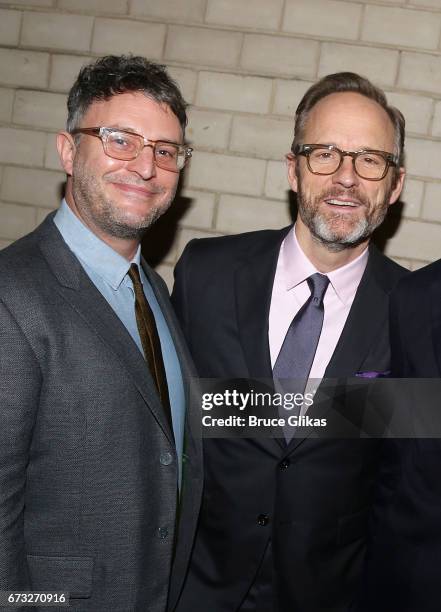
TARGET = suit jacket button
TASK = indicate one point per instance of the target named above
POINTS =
(166, 458)
(162, 533)
(284, 464)
(262, 520)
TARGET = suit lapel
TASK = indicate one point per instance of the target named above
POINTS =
(76, 288)
(368, 313)
(253, 288)
(193, 443)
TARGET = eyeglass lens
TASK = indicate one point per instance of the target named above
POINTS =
(367, 165)
(128, 146)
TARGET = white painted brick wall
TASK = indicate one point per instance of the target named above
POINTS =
(276, 181)
(21, 146)
(30, 3)
(209, 130)
(203, 46)
(380, 65)
(328, 18)
(227, 172)
(420, 71)
(40, 109)
(30, 186)
(108, 6)
(288, 95)
(244, 66)
(418, 111)
(396, 26)
(9, 27)
(432, 203)
(114, 36)
(245, 13)
(64, 70)
(186, 79)
(16, 221)
(200, 213)
(412, 198)
(234, 92)
(190, 10)
(57, 31)
(423, 157)
(416, 240)
(261, 137)
(6, 102)
(280, 55)
(237, 211)
(23, 68)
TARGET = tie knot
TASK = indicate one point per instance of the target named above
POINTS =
(318, 283)
(134, 274)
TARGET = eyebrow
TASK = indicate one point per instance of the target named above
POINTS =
(364, 148)
(125, 128)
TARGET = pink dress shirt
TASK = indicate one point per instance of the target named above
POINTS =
(290, 292)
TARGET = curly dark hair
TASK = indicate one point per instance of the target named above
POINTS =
(116, 74)
(342, 82)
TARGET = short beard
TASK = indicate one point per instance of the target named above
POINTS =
(103, 213)
(110, 225)
(334, 242)
(321, 227)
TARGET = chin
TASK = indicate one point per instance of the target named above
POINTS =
(339, 234)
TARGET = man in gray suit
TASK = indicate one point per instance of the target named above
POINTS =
(93, 368)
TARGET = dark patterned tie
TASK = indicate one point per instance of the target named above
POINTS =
(150, 340)
(295, 359)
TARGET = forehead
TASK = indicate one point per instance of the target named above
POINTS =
(137, 112)
(350, 121)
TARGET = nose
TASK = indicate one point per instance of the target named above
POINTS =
(346, 174)
(144, 165)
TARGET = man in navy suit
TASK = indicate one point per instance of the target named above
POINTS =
(283, 525)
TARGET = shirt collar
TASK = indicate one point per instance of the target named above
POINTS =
(91, 250)
(297, 268)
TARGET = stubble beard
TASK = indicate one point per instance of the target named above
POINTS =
(331, 230)
(103, 212)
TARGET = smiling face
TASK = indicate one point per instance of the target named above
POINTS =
(114, 198)
(342, 210)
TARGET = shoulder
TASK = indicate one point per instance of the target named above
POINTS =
(415, 287)
(225, 249)
(19, 257)
(422, 278)
(24, 266)
(387, 271)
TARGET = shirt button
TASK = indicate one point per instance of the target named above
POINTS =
(162, 533)
(263, 520)
(166, 458)
(284, 464)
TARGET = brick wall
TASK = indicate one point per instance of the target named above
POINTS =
(243, 65)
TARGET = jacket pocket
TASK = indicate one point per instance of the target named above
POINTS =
(56, 574)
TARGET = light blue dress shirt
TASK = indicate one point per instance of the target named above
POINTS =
(108, 270)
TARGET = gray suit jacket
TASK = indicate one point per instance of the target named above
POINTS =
(88, 467)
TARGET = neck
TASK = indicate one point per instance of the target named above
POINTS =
(324, 259)
(126, 247)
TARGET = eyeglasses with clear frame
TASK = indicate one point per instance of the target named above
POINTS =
(126, 145)
(368, 164)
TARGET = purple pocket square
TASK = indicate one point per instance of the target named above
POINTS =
(373, 374)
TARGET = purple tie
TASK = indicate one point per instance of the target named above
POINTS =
(294, 361)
